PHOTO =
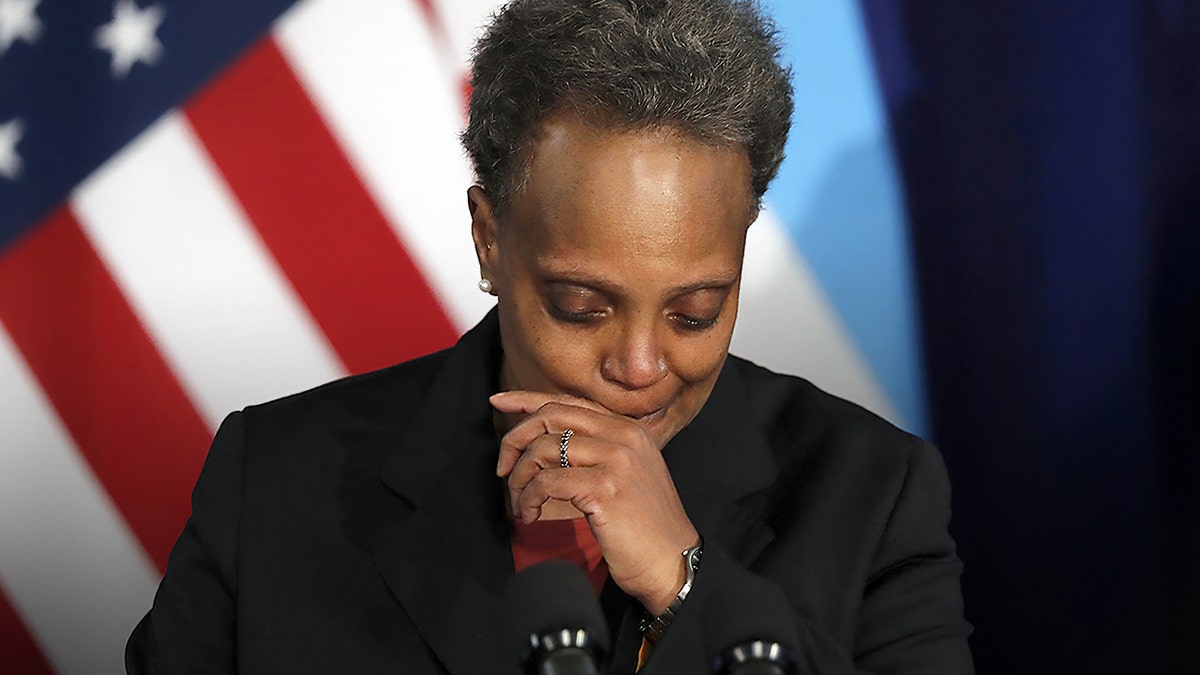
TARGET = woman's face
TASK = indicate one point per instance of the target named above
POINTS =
(617, 268)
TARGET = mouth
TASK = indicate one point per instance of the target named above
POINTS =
(650, 418)
(648, 414)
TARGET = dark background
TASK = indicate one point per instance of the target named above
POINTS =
(1050, 154)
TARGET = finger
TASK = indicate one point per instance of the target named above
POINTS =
(544, 453)
(577, 485)
(528, 402)
(553, 419)
(540, 455)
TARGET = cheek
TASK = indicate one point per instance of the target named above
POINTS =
(699, 361)
(568, 363)
(546, 356)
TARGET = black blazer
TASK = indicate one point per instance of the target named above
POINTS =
(360, 528)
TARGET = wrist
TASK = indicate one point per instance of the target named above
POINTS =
(666, 592)
(656, 622)
(661, 582)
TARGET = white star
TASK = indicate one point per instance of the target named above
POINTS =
(129, 37)
(10, 162)
(18, 21)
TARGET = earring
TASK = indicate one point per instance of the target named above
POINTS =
(485, 285)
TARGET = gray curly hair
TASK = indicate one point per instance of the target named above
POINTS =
(708, 69)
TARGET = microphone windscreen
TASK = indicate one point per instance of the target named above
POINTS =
(743, 610)
(552, 596)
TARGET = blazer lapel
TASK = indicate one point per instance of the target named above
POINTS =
(717, 461)
(448, 560)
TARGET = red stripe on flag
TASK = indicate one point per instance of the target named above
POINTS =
(437, 28)
(316, 218)
(111, 387)
(434, 20)
(20, 653)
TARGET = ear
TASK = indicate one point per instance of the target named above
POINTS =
(485, 230)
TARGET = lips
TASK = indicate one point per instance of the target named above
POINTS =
(646, 413)
(647, 416)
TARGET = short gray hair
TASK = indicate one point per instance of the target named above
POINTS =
(707, 69)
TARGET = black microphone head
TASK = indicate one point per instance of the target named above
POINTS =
(549, 606)
(749, 626)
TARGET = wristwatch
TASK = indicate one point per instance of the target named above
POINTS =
(652, 628)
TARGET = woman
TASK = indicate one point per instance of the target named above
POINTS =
(622, 149)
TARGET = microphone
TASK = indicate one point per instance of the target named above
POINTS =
(554, 621)
(750, 629)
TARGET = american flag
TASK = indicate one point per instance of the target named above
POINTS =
(205, 205)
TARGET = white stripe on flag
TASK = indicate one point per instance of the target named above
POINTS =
(464, 20)
(74, 571)
(786, 323)
(207, 290)
(371, 67)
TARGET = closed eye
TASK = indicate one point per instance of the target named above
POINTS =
(575, 317)
(692, 323)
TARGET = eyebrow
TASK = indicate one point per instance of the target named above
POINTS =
(597, 283)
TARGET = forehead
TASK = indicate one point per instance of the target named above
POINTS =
(648, 195)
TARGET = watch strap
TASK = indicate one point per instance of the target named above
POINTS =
(653, 628)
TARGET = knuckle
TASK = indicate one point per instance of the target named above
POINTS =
(518, 480)
(543, 481)
(547, 450)
(543, 460)
(592, 506)
(632, 435)
(608, 488)
(621, 460)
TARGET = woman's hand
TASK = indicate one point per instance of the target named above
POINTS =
(617, 479)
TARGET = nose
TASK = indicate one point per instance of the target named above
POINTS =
(636, 361)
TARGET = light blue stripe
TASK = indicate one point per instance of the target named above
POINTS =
(840, 198)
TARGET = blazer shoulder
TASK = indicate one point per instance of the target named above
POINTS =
(798, 416)
(386, 392)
